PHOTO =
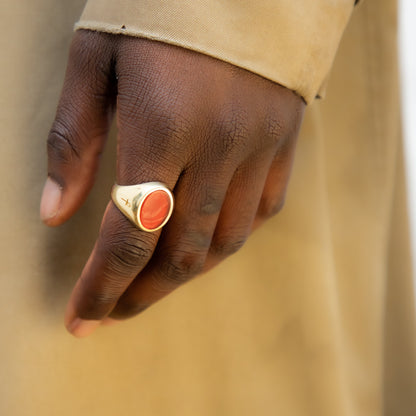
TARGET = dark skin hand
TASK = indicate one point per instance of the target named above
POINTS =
(220, 137)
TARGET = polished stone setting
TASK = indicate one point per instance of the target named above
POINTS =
(148, 205)
(155, 209)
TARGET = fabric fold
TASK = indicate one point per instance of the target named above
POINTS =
(292, 43)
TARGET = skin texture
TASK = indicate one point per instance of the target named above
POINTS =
(215, 134)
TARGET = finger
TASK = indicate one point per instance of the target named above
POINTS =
(205, 228)
(239, 209)
(120, 252)
(146, 153)
(183, 247)
(80, 128)
(274, 191)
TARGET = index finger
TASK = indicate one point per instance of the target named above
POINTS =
(122, 250)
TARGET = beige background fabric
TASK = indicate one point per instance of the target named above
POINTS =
(315, 316)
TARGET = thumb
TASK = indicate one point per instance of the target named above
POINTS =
(81, 125)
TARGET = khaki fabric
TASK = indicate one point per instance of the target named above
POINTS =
(315, 315)
(236, 30)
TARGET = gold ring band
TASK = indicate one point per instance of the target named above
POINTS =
(148, 205)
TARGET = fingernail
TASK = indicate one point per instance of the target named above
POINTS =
(51, 199)
(81, 328)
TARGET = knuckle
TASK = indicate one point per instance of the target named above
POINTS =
(232, 128)
(211, 206)
(226, 246)
(211, 201)
(61, 144)
(164, 109)
(269, 207)
(274, 128)
(167, 126)
(180, 266)
(96, 303)
(283, 119)
(127, 308)
(125, 253)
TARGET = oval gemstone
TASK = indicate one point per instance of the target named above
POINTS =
(155, 209)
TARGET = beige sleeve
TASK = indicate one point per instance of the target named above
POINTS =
(291, 42)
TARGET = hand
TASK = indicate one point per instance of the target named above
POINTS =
(220, 137)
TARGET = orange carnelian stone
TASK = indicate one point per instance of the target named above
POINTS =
(155, 209)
